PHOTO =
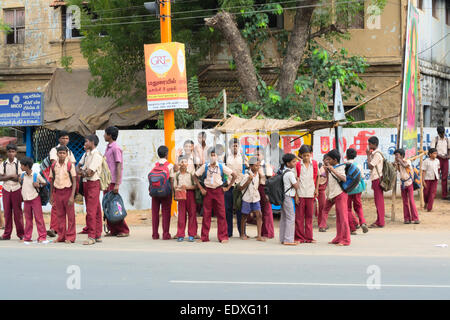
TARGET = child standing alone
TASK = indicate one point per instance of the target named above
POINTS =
(430, 176)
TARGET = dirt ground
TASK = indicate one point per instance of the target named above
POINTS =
(438, 219)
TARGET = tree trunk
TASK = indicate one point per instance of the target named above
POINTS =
(296, 47)
(224, 21)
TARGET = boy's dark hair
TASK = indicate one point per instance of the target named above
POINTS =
(182, 158)
(351, 154)
(288, 157)
(62, 148)
(304, 149)
(432, 150)
(212, 150)
(163, 151)
(233, 141)
(334, 154)
(440, 129)
(63, 133)
(400, 151)
(374, 140)
(188, 142)
(27, 162)
(93, 138)
(11, 146)
(113, 132)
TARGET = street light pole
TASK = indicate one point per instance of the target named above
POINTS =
(169, 115)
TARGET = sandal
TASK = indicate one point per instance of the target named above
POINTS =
(99, 240)
(89, 242)
(123, 235)
(374, 225)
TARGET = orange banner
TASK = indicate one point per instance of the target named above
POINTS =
(165, 72)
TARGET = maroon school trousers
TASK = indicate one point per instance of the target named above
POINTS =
(187, 208)
(443, 163)
(12, 206)
(379, 202)
(119, 227)
(409, 206)
(214, 199)
(267, 229)
(355, 200)
(304, 220)
(322, 199)
(342, 227)
(54, 218)
(429, 193)
(166, 206)
(91, 191)
(34, 208)
(66, 215)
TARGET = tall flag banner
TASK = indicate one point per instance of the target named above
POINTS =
(339, 115)
(165, 74)
(410, 94)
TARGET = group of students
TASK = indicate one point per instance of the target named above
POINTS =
(225, 185)
(21, 184)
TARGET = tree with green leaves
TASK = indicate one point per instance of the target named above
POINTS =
(307, 71)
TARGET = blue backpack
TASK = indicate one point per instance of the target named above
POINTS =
(159, 181)
(353, 177)
(224, 179)
(113, 207)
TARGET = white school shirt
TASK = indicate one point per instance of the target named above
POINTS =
(306, 181)
(289, 179)
(431, 169)
(251, 195)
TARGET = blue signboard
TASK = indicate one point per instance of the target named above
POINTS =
(21, 109)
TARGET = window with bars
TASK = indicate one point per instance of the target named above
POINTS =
(349, 18)
(15, 19)
(69, 30)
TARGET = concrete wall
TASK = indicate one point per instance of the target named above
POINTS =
(139, 151)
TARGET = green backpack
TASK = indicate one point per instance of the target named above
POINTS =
(388, 175)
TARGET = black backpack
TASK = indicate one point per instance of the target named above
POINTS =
(44, 191)
(274, 189)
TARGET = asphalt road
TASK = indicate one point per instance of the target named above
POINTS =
(139, 268)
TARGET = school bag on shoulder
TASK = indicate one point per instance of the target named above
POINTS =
(274, 189)
(388, 175)
(203, 177)
(43, 192)
(352, 175)
(113, 207)
(17, 167)
(415, 178)
(315, 169)
(237, 196)
(105, 175)
(159, 181)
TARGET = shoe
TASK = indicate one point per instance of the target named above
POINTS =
(99, 240)
(416, 222)
(51, 233)
(322, 230)
(353, 233)
(1, 238)
(357, 226)
(180, 239)
(364, 228)
(123, 235)
(191, 239)
(44, 242)
(407, 222)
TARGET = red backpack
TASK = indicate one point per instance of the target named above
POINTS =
(315, 169)
(69, 167)
(158, 179)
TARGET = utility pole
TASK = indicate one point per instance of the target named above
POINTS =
(169, 115)
(162, 9)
